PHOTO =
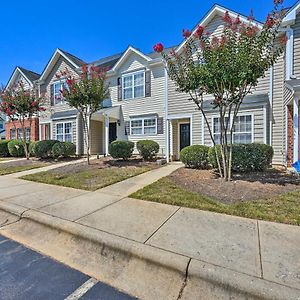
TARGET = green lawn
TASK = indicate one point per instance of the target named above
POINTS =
(284, 208)
(5, 170)
(90, 180)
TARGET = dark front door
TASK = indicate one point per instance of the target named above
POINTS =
(112, 132)
(185, 135)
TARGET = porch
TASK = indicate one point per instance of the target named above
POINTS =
(104, 129)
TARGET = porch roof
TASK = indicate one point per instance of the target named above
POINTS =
(111, 112)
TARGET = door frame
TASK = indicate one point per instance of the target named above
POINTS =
(178, 134)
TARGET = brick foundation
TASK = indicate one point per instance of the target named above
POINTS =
(34, 132)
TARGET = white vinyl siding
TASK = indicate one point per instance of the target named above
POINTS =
(133, 85)
(64, 132)
(143, 126)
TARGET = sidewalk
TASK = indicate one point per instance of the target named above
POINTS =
(233, 256)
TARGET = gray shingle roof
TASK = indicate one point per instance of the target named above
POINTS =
(32, 76)
(79, 62)
(107, 62)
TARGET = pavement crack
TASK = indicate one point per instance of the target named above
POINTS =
(185, 280)
(7, 223)
(259, 251)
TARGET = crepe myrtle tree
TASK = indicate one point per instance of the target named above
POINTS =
(86, 94)
(227, 68)
(20, 105)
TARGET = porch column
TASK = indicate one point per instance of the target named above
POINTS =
(167, 140)
(171, 138)
(296, 128)
(106, 134)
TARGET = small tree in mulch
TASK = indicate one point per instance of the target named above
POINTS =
(86, 94)
(20, 105)
(227, 68)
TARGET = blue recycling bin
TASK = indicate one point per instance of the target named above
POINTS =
(296, 166)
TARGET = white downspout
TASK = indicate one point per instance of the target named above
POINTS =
(167, 138)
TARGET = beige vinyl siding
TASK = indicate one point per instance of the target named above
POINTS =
(296, 28)
(21, 79)
(97, 137)
(278, 113)
(143, 106)
(74, 128)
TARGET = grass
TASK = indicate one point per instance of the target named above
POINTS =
(284, 208)
(5, 170)
(90, 180)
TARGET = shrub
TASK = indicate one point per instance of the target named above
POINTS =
(43, 149)
(32, 146)
(147, 149)
(121, 149)
(63, 149)
(195, 156)
(16, 148)
(4, 152)
(246, 157)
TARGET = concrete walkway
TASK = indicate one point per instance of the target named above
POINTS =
(210, 242)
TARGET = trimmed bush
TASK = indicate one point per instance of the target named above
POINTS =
(195, 156)
(246, 157)
(147, 149)
(4, 152)
(43, 149)
(121, 149)
(32, 148)
(16, 148)
(63, 149)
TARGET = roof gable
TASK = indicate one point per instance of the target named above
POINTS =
(28, 75)
(291, 14)
(73, 60)
(130, 50)
(217, 10)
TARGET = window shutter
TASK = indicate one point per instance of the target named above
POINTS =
(119, 89)
(160, 125)
(148, 83)
(127, 128)
(51, 95)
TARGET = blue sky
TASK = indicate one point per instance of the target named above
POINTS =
(91, 29)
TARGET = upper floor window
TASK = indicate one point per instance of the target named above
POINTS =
(56, 95)
(134, 85)
(242, 132)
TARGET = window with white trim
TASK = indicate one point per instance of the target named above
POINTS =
(64, 132)
(133, 85)
(243, 130)
(57, 87)
(143, 126)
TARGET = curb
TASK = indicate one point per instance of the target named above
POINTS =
(140, 270)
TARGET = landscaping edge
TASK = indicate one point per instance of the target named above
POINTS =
(140, 270)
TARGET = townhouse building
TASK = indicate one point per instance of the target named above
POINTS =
(144, 103)
(13, 130)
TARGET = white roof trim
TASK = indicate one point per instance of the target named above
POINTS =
(291, 15)
(14, 75)
(127, 53)
(218, 10)
(53, 60)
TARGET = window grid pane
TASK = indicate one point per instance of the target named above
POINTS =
(134, 86)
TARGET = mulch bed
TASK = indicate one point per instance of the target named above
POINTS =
(104, 163)
(243, 187)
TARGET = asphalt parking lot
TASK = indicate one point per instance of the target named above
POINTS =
(26, 274)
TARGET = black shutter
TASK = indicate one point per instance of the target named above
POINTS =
(127, 128)
(119, 89)
(160, 125)
(51, 95)
(148, 84)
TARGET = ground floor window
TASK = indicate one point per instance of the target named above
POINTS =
(143, 126)
(64, 132)
(13, 135)
(243, 129)
(20, 134)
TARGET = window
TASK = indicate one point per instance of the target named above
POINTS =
(13, 134)
(64, 132)
(56, 92)
(243, 130)
(27, 133)
(1, 126)
(134, 85)
(143, 126)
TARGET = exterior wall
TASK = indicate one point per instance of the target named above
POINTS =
(97, 137)
(290, 135)
(34, 131)
(143, 106)
(296, 28)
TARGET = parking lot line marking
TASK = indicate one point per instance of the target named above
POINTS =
(77, 294)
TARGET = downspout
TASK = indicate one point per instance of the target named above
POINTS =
(167, 140)
(271, 93)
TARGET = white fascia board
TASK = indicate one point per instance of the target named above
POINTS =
(290, 17)
(52, 62)
(127, 53)
(218, 10)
